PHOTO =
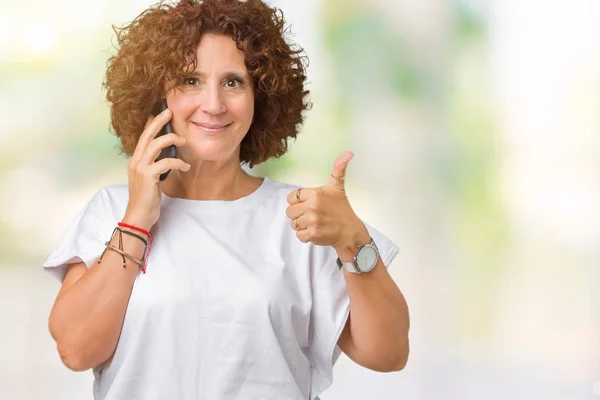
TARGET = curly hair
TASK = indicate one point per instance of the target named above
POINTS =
(158, 48)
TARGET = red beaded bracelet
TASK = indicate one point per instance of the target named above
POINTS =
(145, 232)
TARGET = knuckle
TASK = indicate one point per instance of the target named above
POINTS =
(152, 145)
(316, 201)
(307, 217)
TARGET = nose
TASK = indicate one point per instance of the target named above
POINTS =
(212, 103)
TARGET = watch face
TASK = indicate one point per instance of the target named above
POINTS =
(367, 258)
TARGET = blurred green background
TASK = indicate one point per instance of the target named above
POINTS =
(476, 131)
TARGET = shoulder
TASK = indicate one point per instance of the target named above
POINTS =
(277, 185)
(116, 191)
(113, 198)
(278, 191)
(283, 186)
(274, 207)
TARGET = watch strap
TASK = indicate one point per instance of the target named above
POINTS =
(352, 266)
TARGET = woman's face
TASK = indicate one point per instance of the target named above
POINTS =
(213, 107)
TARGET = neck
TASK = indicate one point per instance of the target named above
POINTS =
(210, 181)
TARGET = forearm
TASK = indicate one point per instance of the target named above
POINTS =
(379, 316)
(86, 320)
(379, 320)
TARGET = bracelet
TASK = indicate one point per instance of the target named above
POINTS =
(135, 260)
(146, 248)
(123, 224)
(143, 261)
(120, 245)
(150, 237)
(134, 234)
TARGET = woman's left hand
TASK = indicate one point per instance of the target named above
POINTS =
(323, 215)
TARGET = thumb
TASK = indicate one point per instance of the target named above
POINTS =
(339, 169)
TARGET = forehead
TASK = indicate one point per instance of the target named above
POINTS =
(217, 53)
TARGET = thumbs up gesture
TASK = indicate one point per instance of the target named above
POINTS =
(323, 215)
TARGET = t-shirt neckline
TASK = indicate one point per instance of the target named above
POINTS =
(242, 203)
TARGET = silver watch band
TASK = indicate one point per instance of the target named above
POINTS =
(352, 266)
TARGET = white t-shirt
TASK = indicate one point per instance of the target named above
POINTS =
(232, 306)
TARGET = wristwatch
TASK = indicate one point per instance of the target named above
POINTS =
(364, 261)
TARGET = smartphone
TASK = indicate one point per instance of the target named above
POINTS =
(170, 151)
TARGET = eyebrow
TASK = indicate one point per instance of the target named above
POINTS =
(227, 74)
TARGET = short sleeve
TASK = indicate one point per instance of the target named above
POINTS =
(83, 240)
(331, 307)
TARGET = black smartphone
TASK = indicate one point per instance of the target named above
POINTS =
(169, 151)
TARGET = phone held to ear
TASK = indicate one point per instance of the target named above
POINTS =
(170, 151)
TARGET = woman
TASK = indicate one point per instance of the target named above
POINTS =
(247, 284)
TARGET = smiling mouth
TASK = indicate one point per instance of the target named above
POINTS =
(212, 129)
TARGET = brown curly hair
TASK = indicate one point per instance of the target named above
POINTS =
(158, 48)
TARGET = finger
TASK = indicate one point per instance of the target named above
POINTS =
(299, 224)
(166, 164)
(298, 195)
(151, 129)
(295, 210)
(338, 174)
(156, 146)
(148, 120)
(137, 154)
(303, 235)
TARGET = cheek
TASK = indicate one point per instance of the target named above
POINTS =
(183, 108)
(182, 111)
(180, 106)
(243, 110)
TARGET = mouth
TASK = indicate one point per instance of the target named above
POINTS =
(211, 129)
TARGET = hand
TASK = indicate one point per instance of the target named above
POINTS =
(323, 215)
(143, 208)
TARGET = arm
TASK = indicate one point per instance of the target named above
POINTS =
(376, 333)
(88, 313)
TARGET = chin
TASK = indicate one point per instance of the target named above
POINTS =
(208, 152)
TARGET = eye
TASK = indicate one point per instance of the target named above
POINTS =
(234, 82)
(191, 81)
